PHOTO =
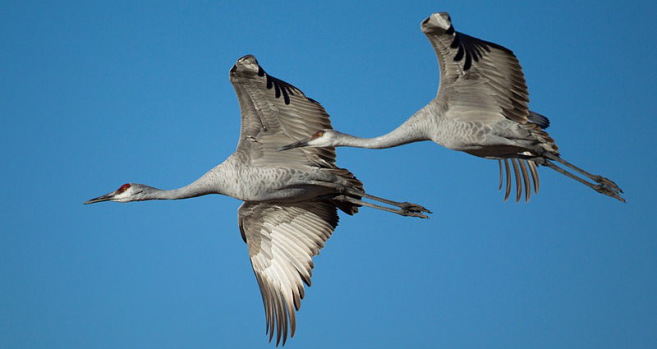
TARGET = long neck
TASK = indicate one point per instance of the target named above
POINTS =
(212, 182)
(412, 130)
(189, 191)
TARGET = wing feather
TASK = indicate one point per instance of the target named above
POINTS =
(479, 76)
(282, 239)
(525, 178)
(276, 113)
(532, 169)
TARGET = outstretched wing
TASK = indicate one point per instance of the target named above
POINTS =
(275, 113)
(282, 239)
(479, 80)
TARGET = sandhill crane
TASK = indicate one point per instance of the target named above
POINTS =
(481, 109)
(290, 198)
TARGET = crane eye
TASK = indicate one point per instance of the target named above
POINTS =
(123, 188)
(318, 134)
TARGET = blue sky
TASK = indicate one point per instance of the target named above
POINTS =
(98, 94)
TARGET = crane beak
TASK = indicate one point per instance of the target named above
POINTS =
(106, 197)
(297, 144)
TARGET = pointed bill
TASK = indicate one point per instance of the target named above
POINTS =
(106, 197)
(297, 144)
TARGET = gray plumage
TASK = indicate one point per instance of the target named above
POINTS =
(482, 109)
(290, 198)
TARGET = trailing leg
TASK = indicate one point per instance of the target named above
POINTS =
(601, 186)
(400, 211)
(596, 178)
(353, 196)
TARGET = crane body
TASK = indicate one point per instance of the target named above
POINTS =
(482, 109)
(290, 198)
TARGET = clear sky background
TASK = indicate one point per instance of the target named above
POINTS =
(94, 95)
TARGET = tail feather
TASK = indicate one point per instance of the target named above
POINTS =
(541, 120)
(348, 207)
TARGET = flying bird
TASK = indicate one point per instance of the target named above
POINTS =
(290, 198)
(481, 109)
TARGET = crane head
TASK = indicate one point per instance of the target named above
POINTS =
(126, 193)
(437, 23)
(321, 138)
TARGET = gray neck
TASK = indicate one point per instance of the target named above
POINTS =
(189, 191)
(412, 130)
(211, 182)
